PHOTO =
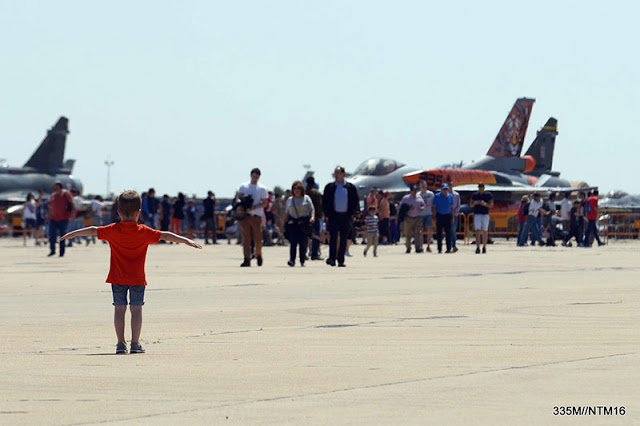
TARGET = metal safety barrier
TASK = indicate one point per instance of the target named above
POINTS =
(621, 225)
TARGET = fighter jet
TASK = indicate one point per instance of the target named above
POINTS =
(381, 173)
(387, 175)
(45, 166)
(504, 172)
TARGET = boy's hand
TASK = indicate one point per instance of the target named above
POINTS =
(193, 244)
(64, 237)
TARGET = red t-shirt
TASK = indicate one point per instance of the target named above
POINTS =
(593, 208)
(59, 205)
(128, 242)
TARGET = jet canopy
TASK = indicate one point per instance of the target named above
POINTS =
(377, 167)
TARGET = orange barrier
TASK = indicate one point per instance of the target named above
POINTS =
(621, 225)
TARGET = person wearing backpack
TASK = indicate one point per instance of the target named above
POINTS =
(591, 213)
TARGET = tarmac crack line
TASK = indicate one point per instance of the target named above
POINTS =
(520, 272)
(379, 385)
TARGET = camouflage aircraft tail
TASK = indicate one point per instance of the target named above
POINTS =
(510, 138)
(542, 147)
(50, 153)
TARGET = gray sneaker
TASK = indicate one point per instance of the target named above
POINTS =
(121, 348)
(136, 348)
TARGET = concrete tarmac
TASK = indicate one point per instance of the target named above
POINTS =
(501, 338)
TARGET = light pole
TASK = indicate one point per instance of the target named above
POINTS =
(108, 163)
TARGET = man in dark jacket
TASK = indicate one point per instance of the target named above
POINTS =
(340, 203)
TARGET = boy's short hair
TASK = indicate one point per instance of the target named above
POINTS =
(372, 207)
(256, 171)
(129, 203)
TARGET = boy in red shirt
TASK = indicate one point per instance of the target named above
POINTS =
(128, 242)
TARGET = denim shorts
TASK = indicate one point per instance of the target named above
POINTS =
(136, 294)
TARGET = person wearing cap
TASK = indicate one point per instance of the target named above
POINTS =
(413, 219)
(443, 211)
(535, 209)
(481, 202)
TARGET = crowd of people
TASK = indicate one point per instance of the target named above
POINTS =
(307, 218)
(564, 221)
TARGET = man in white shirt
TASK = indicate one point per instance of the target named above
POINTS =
(251, 225)
(565, 211)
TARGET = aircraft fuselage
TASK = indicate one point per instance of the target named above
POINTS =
(25, 181)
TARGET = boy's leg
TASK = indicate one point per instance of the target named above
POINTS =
(136, 293)
(118, 321)
(376, 239)
(136, 323)
(369, 243)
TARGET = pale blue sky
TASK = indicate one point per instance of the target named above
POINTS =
(189, 97)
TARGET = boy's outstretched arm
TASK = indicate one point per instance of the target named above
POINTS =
(89, 231)
(170, 236)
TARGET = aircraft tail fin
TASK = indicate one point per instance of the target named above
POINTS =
(542, 147)
(50, 153)
(68, 164)
(510, 138)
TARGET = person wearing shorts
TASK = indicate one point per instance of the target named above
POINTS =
(128, 242)
(481, 202)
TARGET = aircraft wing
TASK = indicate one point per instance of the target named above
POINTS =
(521, 189)
(517, 189)
(14, 196)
